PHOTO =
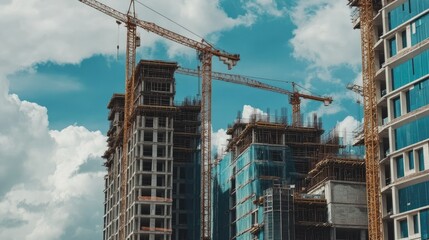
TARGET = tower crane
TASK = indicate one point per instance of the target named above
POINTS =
(370, 127)
(294, 96)
(355, 88)
(206, 52)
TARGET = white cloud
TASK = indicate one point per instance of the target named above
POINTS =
(323, 110)
(220, 138)
(250, 112)
(52, 181)
(270, 7)
(324, 35)
(220, 141)
(346, 127)
(35, 31)
(338, 103)
(358, 80)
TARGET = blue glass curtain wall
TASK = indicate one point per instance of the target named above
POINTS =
(406, 11)
(240, 181)
(418, 96)
(410, 70)
(421, 29)
(412, 132)
(413, 197)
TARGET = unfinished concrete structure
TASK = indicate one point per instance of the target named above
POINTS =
(262, 184)
(341, 182)
(150, 198)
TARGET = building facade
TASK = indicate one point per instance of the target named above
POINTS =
(401, 37)
(153, 207)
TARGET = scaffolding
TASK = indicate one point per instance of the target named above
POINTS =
(279, 213)
(335, 168)
(308, 144)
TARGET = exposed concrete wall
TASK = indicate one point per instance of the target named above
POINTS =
(346, 204)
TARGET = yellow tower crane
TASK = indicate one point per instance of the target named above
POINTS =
(206, 51)
(294, 96)
(371, 138)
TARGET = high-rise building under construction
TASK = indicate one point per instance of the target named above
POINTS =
(401, 50)
(162, 174)
(287, 181)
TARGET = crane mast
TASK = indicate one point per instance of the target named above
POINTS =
(294, 97)
(370, 120)
(206, 51)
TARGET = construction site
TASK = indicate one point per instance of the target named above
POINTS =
(278, 178)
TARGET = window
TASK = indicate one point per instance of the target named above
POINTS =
(159, 210)
(410, 160)
(162, 122)
(160, 166)
(183, 219)
(392, 45)
(147, 165)
(146, 180)
(161, 137)
(148, 136)
(149, 122)
(396, 107)
(182, 173)
(182, 188)
(277, 155)
(421, 159)
(399, 167)
(145, 209)
(160, 181)
(147, 151)
(416, 223)
(183, 233)
(404, 39)
(161, 151)
(403, 227)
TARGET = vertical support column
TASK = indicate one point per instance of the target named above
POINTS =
(206, 60)
(395, 204)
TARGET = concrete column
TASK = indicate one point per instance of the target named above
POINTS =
(283, 139)
(363, 234)
(403, 100)
(395, 200)
(391, 140)
(425, 156)
(388, 76)
(333, 233)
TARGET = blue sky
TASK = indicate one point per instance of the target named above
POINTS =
(81, 91)
(59, 68)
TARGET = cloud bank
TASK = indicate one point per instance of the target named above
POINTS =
(51, 180)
